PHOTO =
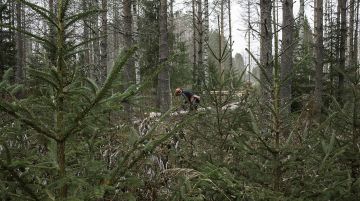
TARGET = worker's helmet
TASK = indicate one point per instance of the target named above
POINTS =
(178, 91)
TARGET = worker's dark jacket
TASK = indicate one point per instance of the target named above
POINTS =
(187, 95)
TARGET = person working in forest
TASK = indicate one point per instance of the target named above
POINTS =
(190, 98)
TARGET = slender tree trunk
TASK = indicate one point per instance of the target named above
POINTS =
(20, 55)
(355, 167)
(171, 28)
(337, 52)
(116, 26)
(200, 73)
(60, 101)
(129, 71)
(195, 71)
(136, 39)
(353, 38)
(249, 38)
(164, 92)
(103, 43)
(231, 46)
(287, 57)
(266, 48)
(319, 58)
(52, 34)
(356, 37)
(61, 163)
(221, 39)
(206, 41)
(302, 20)
(276, 125)
(328, 28)
(342, 50)
(95, 43)
(86, 37)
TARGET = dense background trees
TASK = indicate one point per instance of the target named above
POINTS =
(86, 90)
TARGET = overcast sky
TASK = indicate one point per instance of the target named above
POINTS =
(240, 41)
(239, 23)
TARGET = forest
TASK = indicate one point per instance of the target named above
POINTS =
(157, 100)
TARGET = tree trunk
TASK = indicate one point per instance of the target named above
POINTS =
(200, 73)
(164, 92)
(116, 26)
(60, 147)
(52, 34)
(206, 41)
(86, 37)
(171, 27)
(195, 71)
(136, 39)
(265, 48)
(355, 167)
(352, 52)
(60, 100)
(103, 43)
(95, 43)
(276, 103)
(20, 55)
(356, 37)
(287, 57)
(231, 47)
(342, 50)
(319, 57)
(221, 45)
(129, 70)
(249, 39)
(302, 20)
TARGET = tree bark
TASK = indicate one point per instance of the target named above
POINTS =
(249, 38)
(356, 37)
(20, 54)
(319, 57)
(200, 39)
(116, 26)
(95, 44)
(302, 20)
(195, 71)
(52, 34)
(287, 57)
(265, 48)
(164, 92)
(129, 70)
(276, 103)
(206, 41)
(136, 39)
(86, 37)
(352, 51)
(221, 45)
(342, 50)
(103, 43)
(231, 47)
